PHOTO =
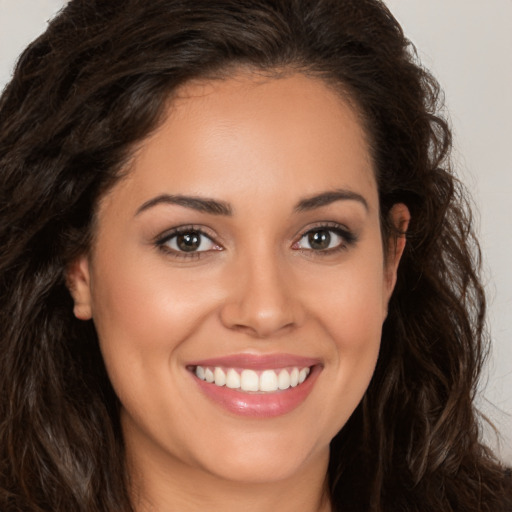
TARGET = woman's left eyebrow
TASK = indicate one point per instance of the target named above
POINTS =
(201, 204)
(326, 198)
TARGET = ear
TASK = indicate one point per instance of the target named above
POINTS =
(78, 282)
(399, 218)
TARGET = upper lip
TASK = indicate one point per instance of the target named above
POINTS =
(258, 361)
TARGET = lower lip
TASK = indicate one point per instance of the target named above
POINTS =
(259, 405)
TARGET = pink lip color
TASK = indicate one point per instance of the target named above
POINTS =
(257, 362)
(259, 405)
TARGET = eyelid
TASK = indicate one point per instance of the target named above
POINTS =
(347, 235)
(162, 240)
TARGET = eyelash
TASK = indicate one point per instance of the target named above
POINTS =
(162, 242)
(347, 239)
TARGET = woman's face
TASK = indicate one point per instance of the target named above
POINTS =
(243, 247)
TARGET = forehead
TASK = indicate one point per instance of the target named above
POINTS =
(223, 137)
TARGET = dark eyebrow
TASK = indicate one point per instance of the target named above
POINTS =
(326, 198)
(201, 204)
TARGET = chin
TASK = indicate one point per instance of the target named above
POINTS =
(265, 457)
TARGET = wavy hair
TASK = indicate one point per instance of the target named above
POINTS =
(92, 87)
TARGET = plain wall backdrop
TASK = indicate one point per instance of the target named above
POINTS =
(468, 46)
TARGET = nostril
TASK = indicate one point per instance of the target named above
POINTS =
(256, 320)
(260, 302)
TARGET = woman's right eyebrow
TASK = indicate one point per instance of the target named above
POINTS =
(202, 204)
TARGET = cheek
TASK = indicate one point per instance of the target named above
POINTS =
(351, 301)
(357, 315)
(351, 313)
(139, 302)
(355, 326)
(143, 313)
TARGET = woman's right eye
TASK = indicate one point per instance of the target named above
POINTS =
(188, 242)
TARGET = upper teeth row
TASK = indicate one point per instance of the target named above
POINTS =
(249, 380)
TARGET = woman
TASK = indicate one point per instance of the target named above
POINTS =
(208, 299)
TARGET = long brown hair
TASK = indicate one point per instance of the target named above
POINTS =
(94, 85)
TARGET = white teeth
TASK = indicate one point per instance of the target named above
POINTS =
(208, 375)
(220, 377)
(232, 379)
(267, 381)
(294, 377)
(283, 380)
(303, 374)
(249, 380)
(200, 372)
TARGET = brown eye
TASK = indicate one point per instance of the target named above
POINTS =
(319, 240)
(189, 242)
(324, 238)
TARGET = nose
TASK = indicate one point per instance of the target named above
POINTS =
(262, 301)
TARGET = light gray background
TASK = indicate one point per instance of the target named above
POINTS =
(468, 46)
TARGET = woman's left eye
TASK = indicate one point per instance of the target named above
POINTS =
(323, 239)
(189, 241)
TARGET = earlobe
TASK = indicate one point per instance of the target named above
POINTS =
(78, 283)
(399, 217)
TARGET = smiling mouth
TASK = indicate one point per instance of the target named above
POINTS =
(253, 381)
(256, 386)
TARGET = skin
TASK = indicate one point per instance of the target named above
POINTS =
(258, 287)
